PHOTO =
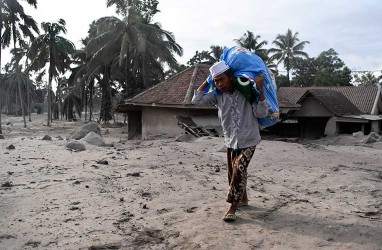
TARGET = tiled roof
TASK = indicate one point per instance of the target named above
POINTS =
(332, 100)
(362, 97)
(286, 104)
(177, 90)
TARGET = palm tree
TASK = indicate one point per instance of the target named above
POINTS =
(121, 5)
(133, 47)
(53, 48)
(72, 101)
(18, 54)
(10, 88)
(11, 7)
(209, 57)
(80, 78)
(137, 45)
(216, 52)
(62, 90)
(252, 43)
(288, 47)
(21, 80)
(17, 26)
(366, 79)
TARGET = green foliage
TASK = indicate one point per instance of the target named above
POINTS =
(209, 57)
(282, 81)
(175, 70)
(287, 48)
(145, 9)
(331, 70)
(252, 43)
(304, 73)
(200, 57)
(366, 79)
(325, 70)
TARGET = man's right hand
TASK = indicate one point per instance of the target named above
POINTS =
(203, 86)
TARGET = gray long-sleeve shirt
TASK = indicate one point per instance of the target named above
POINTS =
(237, 117)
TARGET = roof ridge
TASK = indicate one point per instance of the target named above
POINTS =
(323, 100)
(188, 96)
(156, 85)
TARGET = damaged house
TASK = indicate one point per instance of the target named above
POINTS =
(311, 112)
(329, 111)
(166, 109)
(154, 112)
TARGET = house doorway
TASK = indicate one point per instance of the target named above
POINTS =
(313, 127)
(134, 124)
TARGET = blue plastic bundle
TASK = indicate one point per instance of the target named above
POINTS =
(245, 64)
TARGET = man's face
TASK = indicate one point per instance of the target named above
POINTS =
(223, 82)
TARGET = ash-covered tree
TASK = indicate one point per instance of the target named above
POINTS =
(17, 24)
(54, 49)
(132, 50)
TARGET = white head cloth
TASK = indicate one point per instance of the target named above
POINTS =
(218, 68)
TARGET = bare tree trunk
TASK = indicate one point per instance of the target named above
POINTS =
(7, 103)
(1, 46)
(288, 69)
(51, 63)
(49, 101)
(58, 99)
(29, 102)
(86, 99)
(28, 92)
(22, 102)
(91, 94)
(17, 103)
(106, 105)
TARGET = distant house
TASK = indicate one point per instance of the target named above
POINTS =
(154, 112)
(334, 110)
(307, 112)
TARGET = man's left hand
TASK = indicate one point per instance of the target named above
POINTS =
(259, 80)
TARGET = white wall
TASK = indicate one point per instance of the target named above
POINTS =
(160, 121)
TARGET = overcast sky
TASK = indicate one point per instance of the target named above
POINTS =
(351, 27)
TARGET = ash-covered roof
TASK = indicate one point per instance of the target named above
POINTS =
(362, 97)
(334, 101)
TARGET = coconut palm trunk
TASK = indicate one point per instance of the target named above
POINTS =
(51, 63)
(29, 101)
(106, 105)
(91, 95)
(86, 100)
(58, 99)
(1, 45)
(49, 102)
(21, 100)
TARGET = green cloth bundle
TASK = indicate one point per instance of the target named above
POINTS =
(245, 86)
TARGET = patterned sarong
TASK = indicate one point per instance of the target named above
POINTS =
(238, 161)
